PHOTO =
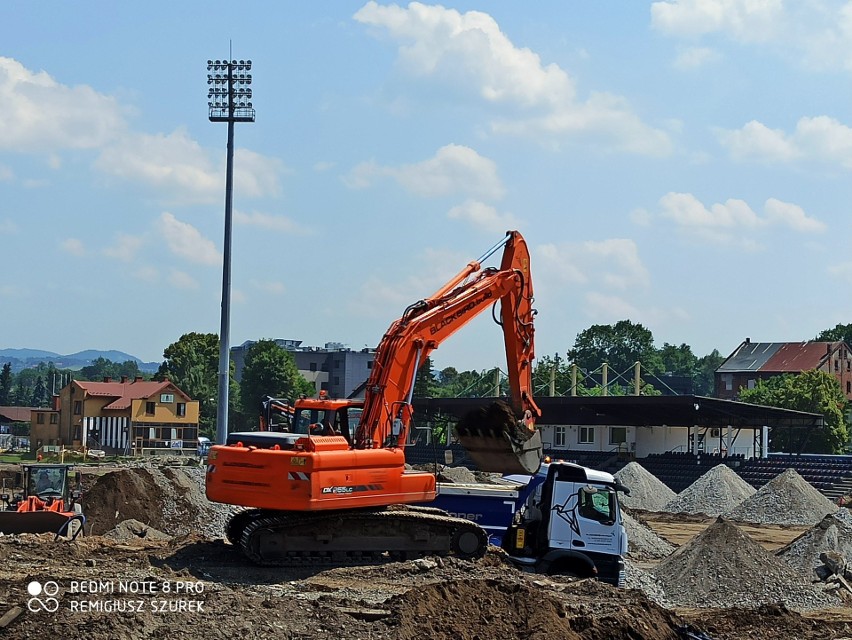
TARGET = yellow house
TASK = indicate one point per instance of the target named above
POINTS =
(127, 416)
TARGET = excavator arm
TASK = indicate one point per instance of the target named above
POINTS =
(421, 330)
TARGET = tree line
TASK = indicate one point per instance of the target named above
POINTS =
(192, 363)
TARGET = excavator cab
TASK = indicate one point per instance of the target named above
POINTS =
(43, 500)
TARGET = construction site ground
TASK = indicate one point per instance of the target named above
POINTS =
(126, 580)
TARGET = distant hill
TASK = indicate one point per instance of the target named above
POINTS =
(26, 358)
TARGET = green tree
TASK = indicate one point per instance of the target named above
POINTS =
(838, 333)
(269, 370)
(812, 391)
(192, 363)
(424, 381)
(705, 373)
(6, 385)
(678, 360)
(554, 368)
(619, 345)
(40, 396)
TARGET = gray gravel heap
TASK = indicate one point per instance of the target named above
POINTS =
(645, 582)
(642, 542)
(647, 492)
(787, 499)
(832, 533)
(723, 567)
(184, 493)
(714, 493)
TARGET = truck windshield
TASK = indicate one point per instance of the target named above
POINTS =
(597, 504)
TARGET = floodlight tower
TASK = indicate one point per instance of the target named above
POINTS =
(229, 100)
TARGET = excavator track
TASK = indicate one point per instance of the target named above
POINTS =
(355, 537)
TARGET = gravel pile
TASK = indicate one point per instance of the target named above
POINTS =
(787, 499)
(134, 531)
(716, 492)
(832, 533)
(647, 492)
(642, 542)
(722, 567)
(645, 582)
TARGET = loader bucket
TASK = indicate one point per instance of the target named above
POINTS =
(35, 521)
(496, 442)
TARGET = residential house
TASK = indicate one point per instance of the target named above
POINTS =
(753, 361)
(128, 416)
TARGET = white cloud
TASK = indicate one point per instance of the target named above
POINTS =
(41, 115)
(694, 58)
(256, 175)
(722, 222)
(609, 308)
(484, 216)
(744, 20)
(268, 221)
(124, 247)
(614, 263)
(181, 280)
(452, 170)
(74, 246)
(271, 287)
(186, 241)
(756, 140)
(469, 53)
(173, 162)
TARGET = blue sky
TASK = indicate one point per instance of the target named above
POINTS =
(683, 164)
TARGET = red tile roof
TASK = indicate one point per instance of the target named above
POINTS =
(17, 414)
(798, 356)
(125, 392)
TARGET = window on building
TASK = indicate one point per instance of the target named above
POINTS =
(39, 418)
(586, 435)
(369, 364)
(152, 433)
(181, 409)
(78, 407)
(54, 418)
(312, 366)
(174, 434)
(337, 364)
(836, 365)
(848, 387)
(751, 384)
(167, 398)
(559, 436)
(728, 381)
(617, 435)
(149, 408)
(336, 380)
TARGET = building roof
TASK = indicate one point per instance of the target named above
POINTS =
(17, 414)
(125, 392)
(777, 357)
(643, 411)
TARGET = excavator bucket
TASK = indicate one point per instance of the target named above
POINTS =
(35, 522)
(496, 441)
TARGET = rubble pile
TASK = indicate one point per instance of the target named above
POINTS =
(133, 530)
(723, 567)
(787, 499)
(716, 492)
(642, 542)
(832, 534)
(647, 492)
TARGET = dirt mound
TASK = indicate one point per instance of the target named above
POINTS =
(724, 567)
(475, 609)
(832, 533)
(171, 500)
(642, 542)
(647, 492)
(786, 499)
(133, 530)
(716, 492)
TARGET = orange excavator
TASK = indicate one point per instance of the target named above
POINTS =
(331, 486)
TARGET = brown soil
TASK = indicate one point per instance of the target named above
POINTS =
(443, 599)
